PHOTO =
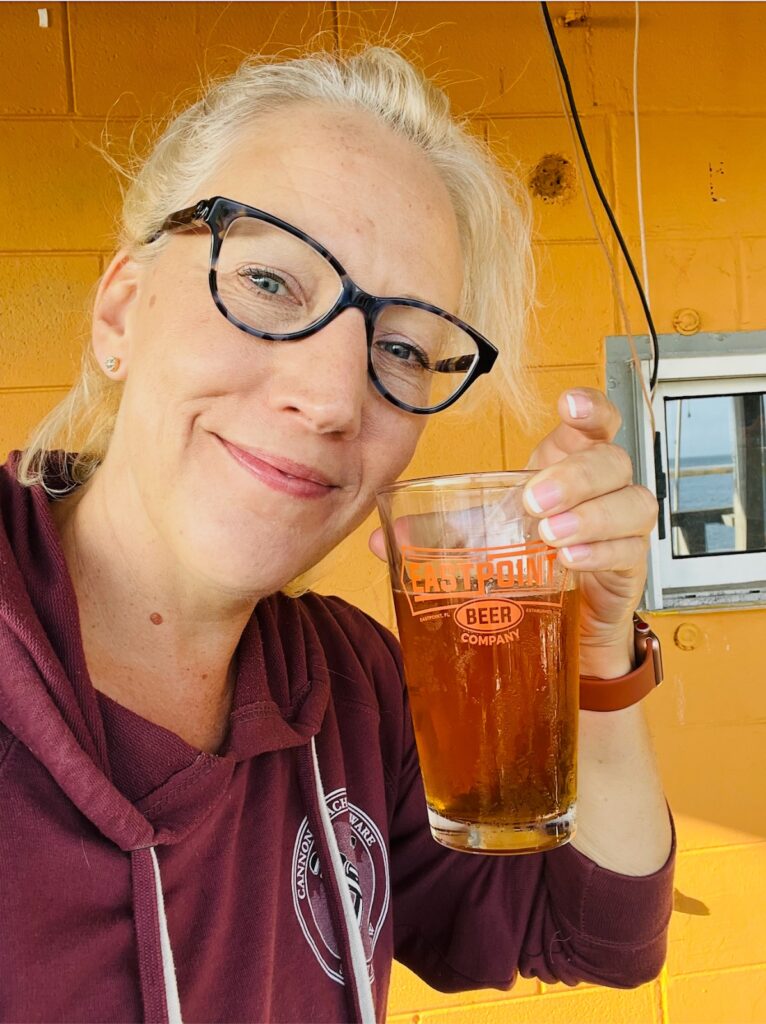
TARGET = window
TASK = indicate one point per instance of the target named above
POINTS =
(715, 478)
(706, 462)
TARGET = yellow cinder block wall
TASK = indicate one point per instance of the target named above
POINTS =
(703, 122)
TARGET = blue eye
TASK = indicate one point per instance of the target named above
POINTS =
(264, 281)
(403, 351)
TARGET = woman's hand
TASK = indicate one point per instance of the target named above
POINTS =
(590, 509)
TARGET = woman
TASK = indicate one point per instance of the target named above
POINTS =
(211, 800)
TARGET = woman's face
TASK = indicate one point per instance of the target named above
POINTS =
(194, 381)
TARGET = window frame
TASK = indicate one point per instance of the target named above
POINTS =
(690, 367)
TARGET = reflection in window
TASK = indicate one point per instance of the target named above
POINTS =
(716, 462)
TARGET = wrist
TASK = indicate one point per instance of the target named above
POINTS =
(607, 692)
(611, 659)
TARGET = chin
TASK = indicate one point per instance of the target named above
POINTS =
(236, 558)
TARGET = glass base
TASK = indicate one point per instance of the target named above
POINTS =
(504, 838)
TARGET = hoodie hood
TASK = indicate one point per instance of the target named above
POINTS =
(48, 703)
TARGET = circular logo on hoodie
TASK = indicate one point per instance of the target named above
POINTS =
(365, 869)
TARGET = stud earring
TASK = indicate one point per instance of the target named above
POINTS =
(112, 363)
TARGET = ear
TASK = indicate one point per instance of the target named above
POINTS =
(115, 301)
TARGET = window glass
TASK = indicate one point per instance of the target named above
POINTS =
(716, 458)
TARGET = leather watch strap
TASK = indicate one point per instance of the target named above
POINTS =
(615, 694)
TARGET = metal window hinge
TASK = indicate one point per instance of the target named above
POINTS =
(660, 485)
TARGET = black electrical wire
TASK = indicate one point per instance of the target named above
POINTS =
(602, 197)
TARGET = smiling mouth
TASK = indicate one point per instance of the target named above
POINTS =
(281, 474)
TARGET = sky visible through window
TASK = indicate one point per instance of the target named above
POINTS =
(700, 440)
(714, 449)
(706, 428)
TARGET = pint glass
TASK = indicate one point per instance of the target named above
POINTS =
(488, 624)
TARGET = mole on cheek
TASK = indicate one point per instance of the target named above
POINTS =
(156, 618)
(152, 300)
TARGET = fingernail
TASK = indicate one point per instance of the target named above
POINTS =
(579, 405)
(558, 527)
(543, 496)
(577, 552)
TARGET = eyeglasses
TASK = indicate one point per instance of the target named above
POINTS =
(275, 282)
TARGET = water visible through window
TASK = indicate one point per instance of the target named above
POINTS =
(716, 459)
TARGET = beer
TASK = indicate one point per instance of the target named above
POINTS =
(493, 684)
(488, 622)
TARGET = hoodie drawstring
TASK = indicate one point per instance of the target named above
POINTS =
(358, 975)
(159, 990)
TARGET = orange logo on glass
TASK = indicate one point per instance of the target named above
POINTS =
(489, 615)
(454, 579)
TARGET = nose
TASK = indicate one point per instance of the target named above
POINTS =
(322, 379)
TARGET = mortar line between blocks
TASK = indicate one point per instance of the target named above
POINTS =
(739, 280)
(335, 22)
(708, 971)
(69, 60)
(719, 849)
(662, 992)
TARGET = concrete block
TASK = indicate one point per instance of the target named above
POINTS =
(410, 995)
(491, 58)
(701, 834)
(714, 774)
(182, 43)
(753, 269)
(33, 60)
(575, 310)
(702, 175)
(23, 410)
(694, 274)
(460, 442)
(716, 650)
(729, 884)
(692, 56)
(44, 318)
(64, 194)
(523, 143)
(548, 384)
(737, 997)
(585, 1006)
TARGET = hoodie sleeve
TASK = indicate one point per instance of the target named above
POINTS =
(468, 921)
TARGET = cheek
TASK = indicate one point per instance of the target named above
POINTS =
(180, 315)
(391, 445)
(180, 338)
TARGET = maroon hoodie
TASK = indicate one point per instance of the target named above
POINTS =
(141, 879)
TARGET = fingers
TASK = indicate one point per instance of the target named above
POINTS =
(599, 470)
(587, 418)
(629, 513)
(628, 555)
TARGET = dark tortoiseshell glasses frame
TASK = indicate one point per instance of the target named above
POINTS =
(218, 213)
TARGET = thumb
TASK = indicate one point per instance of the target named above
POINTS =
(378, 544)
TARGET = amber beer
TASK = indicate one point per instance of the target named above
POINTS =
(488, 623)
(495, 718)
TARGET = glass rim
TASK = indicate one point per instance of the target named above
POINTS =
(460, 481)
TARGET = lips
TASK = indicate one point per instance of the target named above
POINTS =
(281, 474)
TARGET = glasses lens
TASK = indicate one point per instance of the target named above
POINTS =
(271, 280)
(420, 358)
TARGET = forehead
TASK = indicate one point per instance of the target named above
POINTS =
(372, 198)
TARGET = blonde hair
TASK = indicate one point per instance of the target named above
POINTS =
(491, 205)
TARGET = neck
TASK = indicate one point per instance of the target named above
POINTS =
(155, 641)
